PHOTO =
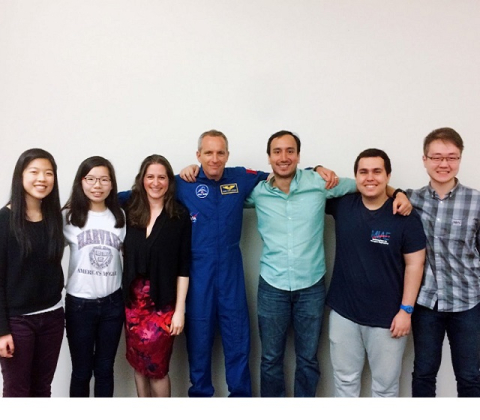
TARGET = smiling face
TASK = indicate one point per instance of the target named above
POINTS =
(372, 179)
(100, 190)
(155, 182)
(284, 156)
(443, 173)
(213, 156)
(38, 179)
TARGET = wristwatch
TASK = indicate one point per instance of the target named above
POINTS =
(407, 308)
(398, 190)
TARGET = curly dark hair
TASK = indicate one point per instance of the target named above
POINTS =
(138, 207)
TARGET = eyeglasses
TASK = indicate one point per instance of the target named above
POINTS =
(438, 159)
(91, 180)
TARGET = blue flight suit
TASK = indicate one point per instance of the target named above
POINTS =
(216, 294)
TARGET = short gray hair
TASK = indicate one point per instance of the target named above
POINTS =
(212, 133)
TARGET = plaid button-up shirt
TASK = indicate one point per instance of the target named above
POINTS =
(452, 266)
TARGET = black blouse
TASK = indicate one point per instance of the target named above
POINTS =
(161, 257)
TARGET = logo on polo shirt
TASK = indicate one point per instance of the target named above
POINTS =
(229, 189)
(380, 237)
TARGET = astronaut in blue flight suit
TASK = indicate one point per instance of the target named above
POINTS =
(216, 294)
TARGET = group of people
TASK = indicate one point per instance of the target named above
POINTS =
(404, 260)
(129, 265)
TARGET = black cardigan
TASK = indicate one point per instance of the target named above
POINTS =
(161, 257)
(27, 284)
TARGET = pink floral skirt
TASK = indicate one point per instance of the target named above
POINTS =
(147, 332)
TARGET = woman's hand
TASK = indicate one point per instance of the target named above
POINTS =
(178, 322)
(6, 346)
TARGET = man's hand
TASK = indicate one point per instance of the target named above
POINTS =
(6, 346)
(330, 178)
(189, 174)
(402, 205)
(401, 324)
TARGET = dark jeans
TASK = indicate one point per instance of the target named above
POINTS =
(463, 331)
(277, 310)
(37, 340)
(94, 327)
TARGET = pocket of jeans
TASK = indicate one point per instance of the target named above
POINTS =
(16, 320)
(73, 304)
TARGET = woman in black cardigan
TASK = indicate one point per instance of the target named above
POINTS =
(31, 278)
(156, 274)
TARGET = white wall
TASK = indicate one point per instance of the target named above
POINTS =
(125, 79)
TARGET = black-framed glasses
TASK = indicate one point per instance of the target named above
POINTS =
(438, 159)
(92, 180)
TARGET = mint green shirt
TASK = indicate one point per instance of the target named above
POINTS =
(291, 226)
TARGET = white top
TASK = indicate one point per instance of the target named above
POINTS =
(95, 267)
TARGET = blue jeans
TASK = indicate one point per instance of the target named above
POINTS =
(37, 340)
(463, 331)
(94, 327)
(277, 310)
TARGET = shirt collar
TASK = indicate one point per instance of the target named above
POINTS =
(433, 194)
(201, 175)
(293, 183)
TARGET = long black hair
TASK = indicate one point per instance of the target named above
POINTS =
(50, 208)
(138, 208)
(78, 204)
